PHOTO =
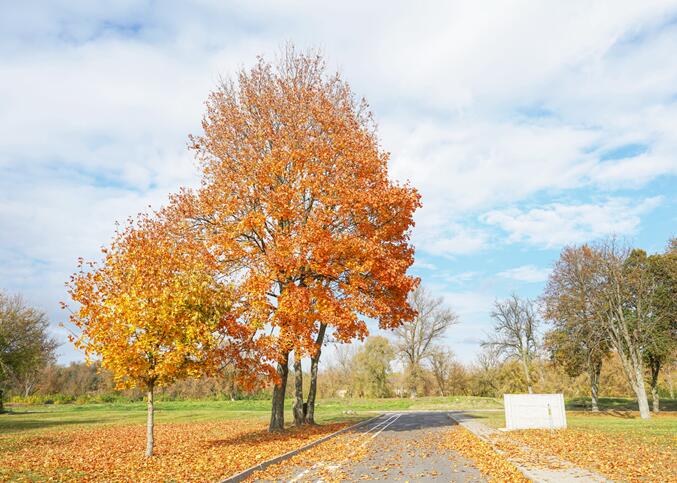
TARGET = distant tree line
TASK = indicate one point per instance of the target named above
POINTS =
(601, 301)
(25, 346)
(573, 356)
(606, 298)
(604, 325)
(367, 370)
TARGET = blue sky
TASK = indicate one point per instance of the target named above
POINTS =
(526, 126)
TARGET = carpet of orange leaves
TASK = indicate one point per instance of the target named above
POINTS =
(494, 466)
(620, 457)
(207, 451)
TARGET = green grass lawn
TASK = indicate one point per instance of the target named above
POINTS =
(38, 418)
(35, 418)
(662, 427)
(42, 417)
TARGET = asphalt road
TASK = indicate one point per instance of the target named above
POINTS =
(402, 447)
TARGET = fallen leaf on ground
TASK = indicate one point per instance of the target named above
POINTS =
(209, 451)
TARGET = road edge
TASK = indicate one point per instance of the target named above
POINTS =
(263, 465)
(532, 473)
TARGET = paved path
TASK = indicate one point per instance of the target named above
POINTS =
(562, 471)
(402, 447)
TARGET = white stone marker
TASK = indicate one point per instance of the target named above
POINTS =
(534, 411)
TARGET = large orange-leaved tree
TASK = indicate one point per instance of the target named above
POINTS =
(154, 310)
(297, 204)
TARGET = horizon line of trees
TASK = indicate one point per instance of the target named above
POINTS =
(577, 346)
(357, 371)
(600, 299)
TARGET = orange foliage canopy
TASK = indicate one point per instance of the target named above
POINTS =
(153, 310)
(296, 203)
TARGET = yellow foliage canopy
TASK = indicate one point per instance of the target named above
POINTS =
(153, 310)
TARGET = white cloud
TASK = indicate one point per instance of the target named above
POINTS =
(471, 162)
(469, 304)
(97, 102)
(634, 171)
(558, 224)
(451, 240)
(420, 264)
(526, 273)
(461, 278)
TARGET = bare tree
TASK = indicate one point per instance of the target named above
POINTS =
(486, 369)
(415, 340)
(514, 334)
(442, 364)
(344, 357)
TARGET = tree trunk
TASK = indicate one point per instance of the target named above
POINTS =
(640, 390)
(277, 411)
(28, 386)
(440, 385)
(413, 379)
(541, 373)
(594, 373)
(655, 399)
(299, 416)
(232, 388)
(314, 365)
(527, 376)
(2, 404)
(634, 372)
(150, 421)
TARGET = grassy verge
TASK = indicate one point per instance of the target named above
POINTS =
(43, 417)
(418, 404)
(207, 440)
(662, 427)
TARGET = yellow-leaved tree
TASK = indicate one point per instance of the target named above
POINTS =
(153, 310)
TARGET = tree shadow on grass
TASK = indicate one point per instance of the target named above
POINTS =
(9, 412)
(616, 403)
(619, 414)
(8, 426)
